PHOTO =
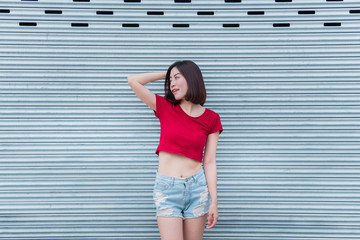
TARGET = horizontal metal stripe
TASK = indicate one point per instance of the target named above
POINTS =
(349, 63)
(146, 149)
(230, 111)
(133, 200)
(228, 181)
(14, 101)
(139, 210)
(306, 196)
(284, 207)
(127, 15)
(312, 130)
(254, 232)
(105, 201)
(149, 160)
(174, 39)
(111, 88)
(211, 77)
(346, 220)
(227, 215)
(122, 84)
(249, 135)
(275, 101)
(224, 159)
(151, 4)
(128, 64)
(140, 161)
(62, 99)
(63, 175)
(86, 107)
(224, 201)
(98, 184)
(136, 52)
(243, 171)
(163, 27)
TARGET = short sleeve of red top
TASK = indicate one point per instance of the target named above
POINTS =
(183, 134)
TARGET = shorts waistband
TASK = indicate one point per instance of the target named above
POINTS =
(193, 178)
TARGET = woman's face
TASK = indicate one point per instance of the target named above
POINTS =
(178, 84)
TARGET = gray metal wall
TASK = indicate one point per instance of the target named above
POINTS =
(77, 146)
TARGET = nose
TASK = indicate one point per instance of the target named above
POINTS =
(172, 84)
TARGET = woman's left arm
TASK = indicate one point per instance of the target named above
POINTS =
(209, 163)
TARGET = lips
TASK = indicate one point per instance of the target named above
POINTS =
(174, 90)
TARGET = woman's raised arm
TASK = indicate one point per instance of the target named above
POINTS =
(137, 82)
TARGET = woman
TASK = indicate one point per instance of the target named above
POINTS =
(182, 186)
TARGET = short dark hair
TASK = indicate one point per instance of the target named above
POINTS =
(196, 87)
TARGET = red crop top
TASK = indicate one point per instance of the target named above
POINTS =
(181, 133)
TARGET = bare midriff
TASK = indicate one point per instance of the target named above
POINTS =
(176, 165)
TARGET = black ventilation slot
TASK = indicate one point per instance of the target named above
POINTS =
(155, 13)
(306, 12)
(53, 12)
(27, 24)
(29, 0)
(283, 0)
(281, 25)
(334, 0)
(231, 25)
(255, 12)
(181, 25)
(336, 24)
(354, 11)
(132, 1)
(81, 0)
(233, 1)
(205, 13)
(104, 12)
(182, 1)
(130, 25)
(79, 24)
(4, 11)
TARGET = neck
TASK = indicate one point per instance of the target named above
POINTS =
(189, 107)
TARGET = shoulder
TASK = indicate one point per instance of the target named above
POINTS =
(212, 113)
(162, 106)
(162, 99)
(211, 117)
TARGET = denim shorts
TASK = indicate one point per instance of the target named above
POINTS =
(181, 197)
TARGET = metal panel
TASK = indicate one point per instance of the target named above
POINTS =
(77, 146)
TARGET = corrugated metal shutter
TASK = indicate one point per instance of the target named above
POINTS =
(77, 147)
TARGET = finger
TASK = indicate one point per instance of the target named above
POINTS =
(210, 219)
(211, 225)
(213, 221)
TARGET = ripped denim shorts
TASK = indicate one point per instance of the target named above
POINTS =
(181, 197)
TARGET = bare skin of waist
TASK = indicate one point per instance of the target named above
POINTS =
(175, 165)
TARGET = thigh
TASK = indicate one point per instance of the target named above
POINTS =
(171, 228)
(194, 228)
(168, 200)
(198, 199)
